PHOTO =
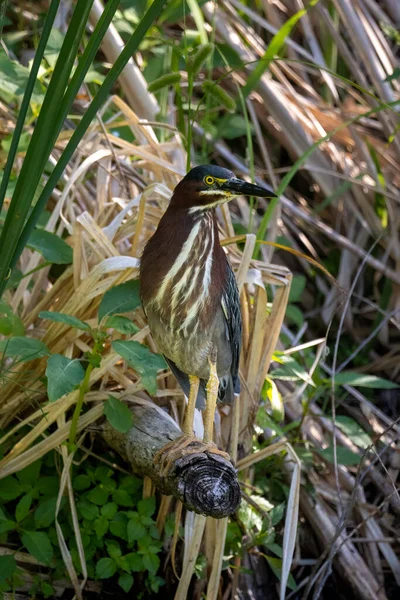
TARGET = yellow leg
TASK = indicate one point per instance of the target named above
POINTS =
(189, 414)
(211, 402)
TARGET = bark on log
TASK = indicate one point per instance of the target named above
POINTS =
(204, 481)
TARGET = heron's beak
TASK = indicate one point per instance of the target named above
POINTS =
(243, 188)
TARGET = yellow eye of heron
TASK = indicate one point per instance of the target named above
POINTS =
(209, 180)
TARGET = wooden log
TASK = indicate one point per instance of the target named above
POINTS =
(202, 478)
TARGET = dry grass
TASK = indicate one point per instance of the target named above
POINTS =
(353, 514)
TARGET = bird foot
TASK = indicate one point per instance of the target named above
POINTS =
(184, 446)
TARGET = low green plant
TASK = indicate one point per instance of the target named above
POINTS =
(120, 539)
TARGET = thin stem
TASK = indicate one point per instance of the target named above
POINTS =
(83, 388)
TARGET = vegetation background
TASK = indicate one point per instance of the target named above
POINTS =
(103, 108)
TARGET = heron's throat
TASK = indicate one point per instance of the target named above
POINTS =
(185, 288)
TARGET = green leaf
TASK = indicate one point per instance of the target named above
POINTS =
(50, 246)
(13, 81)
(125, 581)
(24, 348)
(109, 510)
(120, 299)
(363, 380)
(23, 507)
(344, 456)
(297, 288)
(38, 544)
(63, 318)
(7, 525)
(88, 510)
(118, 414)
(294, 314)
(63, 375)
(276, 514)
(10, 324)
(10, 488)
(118, 526)
(151, 562)
(101, 526)
(352, 429)
(105, 568)
(232, 126)
(8, 567)
(82, 482)
(113, 549)
(290, 370)
(122, 325)
(98, 496)
(45, 513)
(30, 474)
(135, 562)
(276, 566)
(53, 47)
(135, 530)
(147, 506)
(122, 498)
(142, 360)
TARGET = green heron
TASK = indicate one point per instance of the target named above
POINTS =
(189, 292)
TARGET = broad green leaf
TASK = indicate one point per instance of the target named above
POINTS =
(105, 568)
(294, 314)
(82, 482)
(38, 544)
(135, 530)
(297, 288)
(275, 399)
(122, 325)
(151, 562)
(13, 81)
(276, 514)
(113, 548)
(53, 46)
(10, 488)
(45, 513)
(23, 348)
(344, 456)
(88, 510)
(23, 507)
(142, 360)
(8, 567)
(135, 562)
(7, 525)
(10, 324)
(147, 506)
(109, 510)
(232, 126)
(290, 370)
(63, 375)
(364, 380)
(118, 525)
(120, 299)
(353, 430)
(276, 566)
(30, 474)
(125, 581)
(122, 498)
(118, 414)
(50, 246)
(101, 526)
(98, 496)
(63, 318)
